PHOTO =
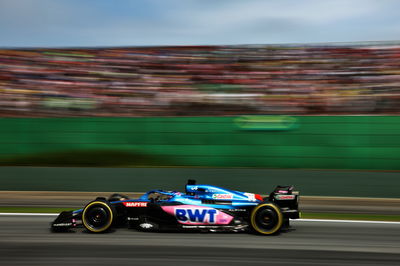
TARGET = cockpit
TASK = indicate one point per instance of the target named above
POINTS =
(159, 196)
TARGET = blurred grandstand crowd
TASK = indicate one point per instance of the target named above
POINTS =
(200, 80)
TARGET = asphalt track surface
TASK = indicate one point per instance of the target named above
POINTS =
(26, 240)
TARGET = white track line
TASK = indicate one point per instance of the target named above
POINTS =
(27, 214)
(346, 221)
(300, 220)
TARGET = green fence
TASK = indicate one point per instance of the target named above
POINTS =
(317, 142)
(257, 180)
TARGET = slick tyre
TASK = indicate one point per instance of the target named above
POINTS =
(266, 219)
(98, 216)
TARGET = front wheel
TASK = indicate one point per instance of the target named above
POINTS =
(98, 216)
(266, 218)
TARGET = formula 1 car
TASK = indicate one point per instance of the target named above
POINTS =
(201, 208)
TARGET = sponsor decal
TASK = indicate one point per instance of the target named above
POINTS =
(210, 190)
(135, 204)
(266, 122)
(146, 225)
(285, 197)
(63, 224)
(197, 215)
(237, 210)
(200, 226)
(222, 196)
(250, 196)
(283, 191)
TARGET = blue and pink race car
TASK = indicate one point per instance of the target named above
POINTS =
(201, 208)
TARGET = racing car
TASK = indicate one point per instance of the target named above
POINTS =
(205, 208)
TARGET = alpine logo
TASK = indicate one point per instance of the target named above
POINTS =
(135, 204)
(196, 215)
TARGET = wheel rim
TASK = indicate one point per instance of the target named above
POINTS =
(97, 217)
(266, 219)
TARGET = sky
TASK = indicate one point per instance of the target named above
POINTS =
(99, 23)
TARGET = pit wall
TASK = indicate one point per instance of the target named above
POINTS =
(311, 142)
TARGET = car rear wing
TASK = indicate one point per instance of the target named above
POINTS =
(285, 197)
(284, 190)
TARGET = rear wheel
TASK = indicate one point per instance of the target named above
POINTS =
(98, 216)
(266, 218)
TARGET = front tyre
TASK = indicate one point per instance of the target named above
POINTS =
(266, 219)
(98, 216)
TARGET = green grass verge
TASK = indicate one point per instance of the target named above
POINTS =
(334, 216)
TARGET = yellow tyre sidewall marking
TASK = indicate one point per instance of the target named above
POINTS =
(103, 228)
(275, 228)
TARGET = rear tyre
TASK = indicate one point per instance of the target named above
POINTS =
(98, 216)
(266, 219)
